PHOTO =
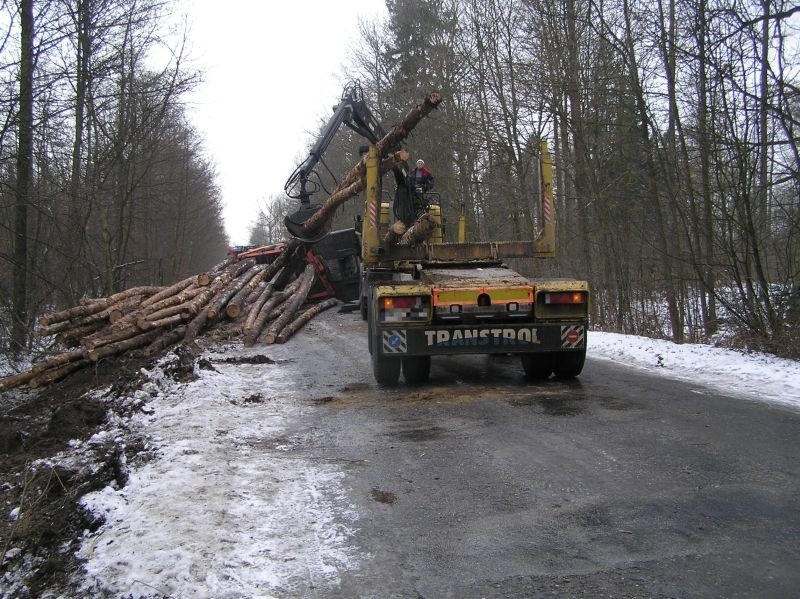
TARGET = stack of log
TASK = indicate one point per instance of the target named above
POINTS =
(264, 303)
(258, 302)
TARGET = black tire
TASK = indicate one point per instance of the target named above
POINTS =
(537, 366)
(386, 370)
(568, 365)
(416, 369)
(364, 314)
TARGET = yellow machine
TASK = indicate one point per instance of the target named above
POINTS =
(451, 298)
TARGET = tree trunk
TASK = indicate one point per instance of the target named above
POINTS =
(24, 175)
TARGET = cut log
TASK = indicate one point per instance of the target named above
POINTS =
(219, 282)
(195, 326)
(167, 321)
(105, 337)
(120, 346)
(256, 307)
(145, 321)
(165, 340)
(324, 215)
(269, 308)
(181, 298)
(169, 291)
(234, 307)
(75, 334)
(48, 321)
(94, 307)
(221, 267)
(298, 298)
(298, 323)
(119, 310)
(57, 361)
(395, 233)
(420, 232)
(56, 374)
(222, 299)
(16, 380)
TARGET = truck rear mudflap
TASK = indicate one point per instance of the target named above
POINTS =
(428, 340)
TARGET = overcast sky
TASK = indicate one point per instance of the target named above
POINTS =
(272, 71)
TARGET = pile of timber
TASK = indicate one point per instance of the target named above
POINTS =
(259, 302)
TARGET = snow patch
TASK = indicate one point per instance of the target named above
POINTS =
(227, 508)
(753, 375)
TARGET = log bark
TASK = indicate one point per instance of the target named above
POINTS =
(298, 323)
(105, 337)
(256, 308)
(120, 346)
(16, 380)
(234, 307)
(181, 298)
(298, 298)
(222, 299)
(166, 321)
(75, 334)
(395, 233)
(57, 361)
(169, 291)
(56, 374)
(267, 310)
(165, 340)
(419, 232)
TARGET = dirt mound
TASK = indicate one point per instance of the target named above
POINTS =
(42, 521)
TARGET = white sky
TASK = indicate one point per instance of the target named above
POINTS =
(272, 71)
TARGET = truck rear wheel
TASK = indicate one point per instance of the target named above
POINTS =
(386, 370)
(568, 365)
(537, 366)
(416, 369)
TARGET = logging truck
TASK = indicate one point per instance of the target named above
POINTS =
(438, 298)
(423, 297)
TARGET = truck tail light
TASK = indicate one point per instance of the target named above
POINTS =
(405, 308)
(565, 297)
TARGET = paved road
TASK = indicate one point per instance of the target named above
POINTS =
(619, 484)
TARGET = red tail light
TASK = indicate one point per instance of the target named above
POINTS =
(565, 297)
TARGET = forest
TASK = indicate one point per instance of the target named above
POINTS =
(674, 125)
(103, 182)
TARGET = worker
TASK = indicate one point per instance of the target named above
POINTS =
(421, 178)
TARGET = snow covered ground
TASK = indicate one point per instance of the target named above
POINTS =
(223, 510)
(226, 509)
(755, 376)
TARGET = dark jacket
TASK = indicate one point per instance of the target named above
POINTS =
(422, 178)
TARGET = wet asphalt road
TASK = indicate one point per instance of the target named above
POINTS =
(619, 484)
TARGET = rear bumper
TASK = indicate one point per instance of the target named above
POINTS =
(425, 340)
